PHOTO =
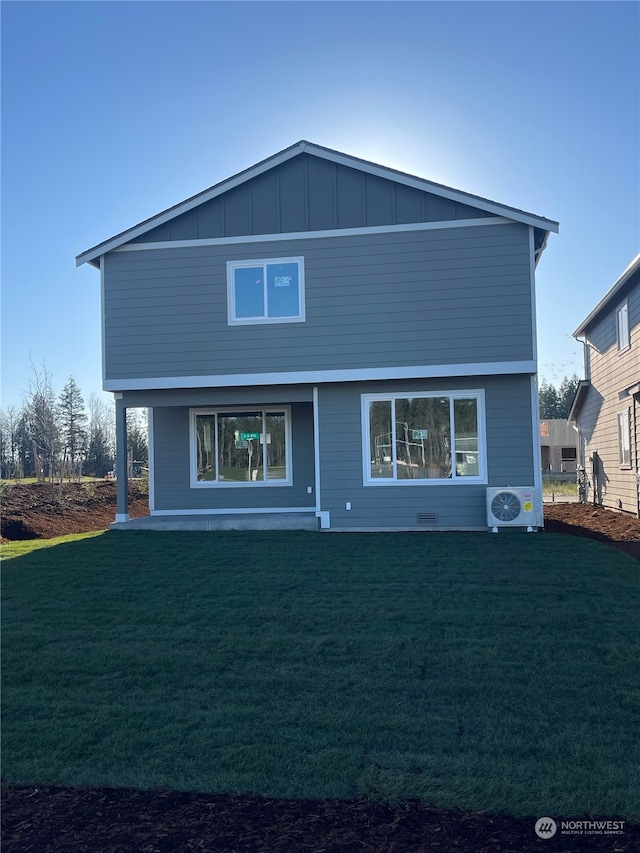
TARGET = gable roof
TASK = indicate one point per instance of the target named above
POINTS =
(491, 207)
(609, 296)
(578, 400)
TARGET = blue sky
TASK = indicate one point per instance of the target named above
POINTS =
(112, 112)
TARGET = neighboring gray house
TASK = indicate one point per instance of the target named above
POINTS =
(606, 408)
(558, 445)
(322, 336)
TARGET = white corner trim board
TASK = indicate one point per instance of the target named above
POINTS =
(230, 380)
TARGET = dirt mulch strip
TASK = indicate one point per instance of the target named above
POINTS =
(619, 530)
(105, 820)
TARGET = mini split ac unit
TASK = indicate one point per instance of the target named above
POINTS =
(511, 507)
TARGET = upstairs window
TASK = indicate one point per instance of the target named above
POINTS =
(265, 291)
(622, 325)
(624, 439)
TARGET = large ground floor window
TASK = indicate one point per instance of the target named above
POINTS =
(240, 447)
(423, 437)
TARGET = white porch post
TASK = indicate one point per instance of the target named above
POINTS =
(122, 462)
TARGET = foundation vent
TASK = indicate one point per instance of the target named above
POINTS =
(427, 518)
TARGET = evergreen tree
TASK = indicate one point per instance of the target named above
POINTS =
(566, 393)
(556, 402)
(548, 399)
(73, 422)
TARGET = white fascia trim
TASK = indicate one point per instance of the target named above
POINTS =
(537, 453)
(303, 377)
(633, 267)
(327, 154)
(436, 189)
(103, 324)
(532, 274)
(312, 235)
(237, 511)
(186, 206)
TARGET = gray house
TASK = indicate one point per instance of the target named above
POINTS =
(330, 340)
(606, 408)
(558, 443)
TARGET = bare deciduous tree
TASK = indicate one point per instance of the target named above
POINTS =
(40, 414)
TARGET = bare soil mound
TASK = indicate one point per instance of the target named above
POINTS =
(617, 529)
(45, 510)
(107, 820)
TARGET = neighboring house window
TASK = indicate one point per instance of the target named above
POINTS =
(265, 291)
(622, 324)
(569, 457)
(624, 440)
(240, 447)
(424, 437)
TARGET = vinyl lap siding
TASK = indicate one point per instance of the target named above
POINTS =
(172, 472)
(509, 456)
(438, 297)
(610, 373)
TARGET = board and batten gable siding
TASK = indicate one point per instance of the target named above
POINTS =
(610, 372)
(171, 464)
(447, 296)
(510, 456)
(309, 193)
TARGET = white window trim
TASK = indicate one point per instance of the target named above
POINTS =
(624, 341)
(624, 438)
(475, 393)
(256, 262)
(258, 484)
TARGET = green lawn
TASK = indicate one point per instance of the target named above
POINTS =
(559, 487)
(478, 671)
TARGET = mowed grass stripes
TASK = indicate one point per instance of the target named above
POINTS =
(469, 670)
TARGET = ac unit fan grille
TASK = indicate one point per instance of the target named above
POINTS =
(506, 506)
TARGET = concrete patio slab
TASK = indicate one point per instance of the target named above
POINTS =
(239, 521)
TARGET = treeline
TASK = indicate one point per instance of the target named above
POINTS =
(54, 436)
(556, 402)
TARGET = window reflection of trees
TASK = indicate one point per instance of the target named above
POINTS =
(241, 439)
(423, 446)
